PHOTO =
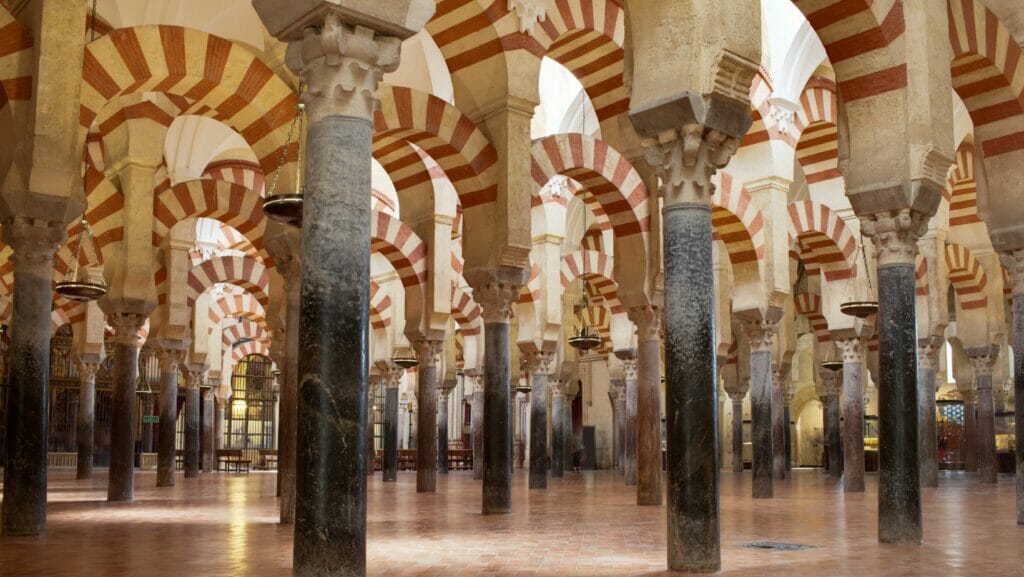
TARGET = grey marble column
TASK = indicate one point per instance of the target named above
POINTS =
(789, 431)
(24, 497)
(289, 264)
(779, 424)
(830, 387)
(853, 413)
(121, 482)
(629, 366)
(390, 465)
(568, 437)
(148, 408)
(761, 335)
(477, 424)
(927, 359)
(209, 457)
(617, 395)
(899, 486)
(371, 452)
(539, 365)
(427, 352)
(737, 430)
(193, 443)
(218, 423)
(170, 360)
(442, 428)
(970, 428)
(647, 320)
(1015, 263)
(983, 360)
(86, 427)
(558, 432)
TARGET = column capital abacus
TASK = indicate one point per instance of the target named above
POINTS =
(34, 242)
(647, 319)
(428, 351)
(539, 362)
(895, 234)
(983, 361)
(496, 299)
(195, 377)
(1014, 262)
(761, 335)
(736, 396)
(559, 388)
(341, 65)
(126, 327)
(686, 158)
(852, 349)
(928, 353)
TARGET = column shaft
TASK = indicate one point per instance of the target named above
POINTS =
(209, 457)
(558, 432)
(1018, 380)
(970, 431)
(929, 433)
(539, 432)
(426, 441)
(287, 461)
(371, 457)
(442, 434)
(193, 442)
(737, 434)
(121, 483)
(761, 436)
(835, 437)
(630, 461)
(166, 431)
(477, 424)
(691, 390)
(497, 442)
(86, 426)
(390, 465)
(986, 429)
(853, 425)
(648, 416)
(778, 426)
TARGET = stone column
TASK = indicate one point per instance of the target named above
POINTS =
(927, 360)
(629, 368)
(779, 424)
(899, 487)
(970, 428)
(477, 423)
(519, 445)
(539, 365)
(86, 426)
(647, 320)
(568, 435)
(832, 421)
(121, 483)
(412, 439)
(496, 298)
(853, 350)
(170, 361)
(737, 430)
(371, 454)
(218, 424)
(289, 264)
(196, 378)
(148, 405)
(390, 465)
(760, 335)
(558, 432)
(442, 428)
(427, 351)
(789, 429)
(341, 63)
(24, 498)
(617, 394)
(1015, 263)
(209, 457)
(686, 159)
(983, 360)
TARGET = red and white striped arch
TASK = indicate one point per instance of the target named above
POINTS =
(988, 75)
(244, 329)
(16, 68)
(963, 189)
(597, 270)
(601, 170)
(203, 74)
(249, 348)
(231, 204)
(467, 312)
(816, 125)
(380, 307)
(809, 305)
(237, 306)
(444, 133)
(825, 242)
(921, 275)
(244, 272)
(402, 247)
(247, 174)
(530, 292)
(737, 222)
(968, 277)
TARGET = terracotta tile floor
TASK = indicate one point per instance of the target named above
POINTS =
(584, 525)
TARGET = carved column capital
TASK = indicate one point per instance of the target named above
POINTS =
(87, 371)
(737, 396)
(630, 366)
(428, 351)
(170, 359)
(686, 158)
(34, 242)
(928, 353)
(895, 234)
(496, 298)
(1014, 262)
(982, 364)
(647, 319)
(341, 65)
(477, 382)
(539, 362)
(761, 335)
(126, 327)
(559, 388)
(852, 350)
(618, 390)
(393, 377)
(829, 383)
(195, 378)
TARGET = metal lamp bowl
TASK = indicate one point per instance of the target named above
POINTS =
(80, 291)
(284, 208)
(859, 309)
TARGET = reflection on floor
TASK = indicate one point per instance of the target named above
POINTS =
(586, 524)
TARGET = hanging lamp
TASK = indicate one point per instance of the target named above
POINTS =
(866, 308)
(78, 285)
(287, 208)
(584, 340)
(831, 363)
(142, 386)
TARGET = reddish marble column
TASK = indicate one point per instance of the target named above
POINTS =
(779, 424)
(983, 360)
(427, 351)
(648, 321)
(86, 426)
(170, 360)
(121, 480)
(927, 359)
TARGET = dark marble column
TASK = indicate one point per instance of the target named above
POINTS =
(289, 264)
(442, 428)
(760, 335)
(371, 453)
(647, 320)
(927, 359)
(617, 396)
(568, 437)
(830, 386)
(170, 360)
(477, 424)
(193, 444)
(1016, 265)
(24, 489)
(496, 297)
(86, 426)
(970, 428)
(218, 423)
(853, 413)
(983, 360)
(209, 457)
(148, 408)
(789, 432)
(737, 430)
(427, 352)
(539, 422)
(558, 432)
(899, 486)
(629, 366)
(779, 424)
(121, 483)
(390, 465)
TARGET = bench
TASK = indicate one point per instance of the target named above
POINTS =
(179, 459)
(268, 459)
(406, 459)
(460, 459)
(232, 459)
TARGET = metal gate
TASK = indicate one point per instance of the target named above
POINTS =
(249, 419)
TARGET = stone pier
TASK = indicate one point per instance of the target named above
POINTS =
(85, 430)
(983, 360)
(193, 440)
(853, 350)
(427, 351)
(647, 320)
(121, 484)
(927, 360)
(761, 336)
(170, 362)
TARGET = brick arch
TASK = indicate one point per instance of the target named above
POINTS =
(825, 242)
(231, 204)
(817, 131)
(249, 348)
(921, 275)
(987, 73)
(16, 68)
(443, 132)
(809, 305)
(244, 306)
(737, 222)
(962, 189)
(244, 329)
(240, 172)
(403, 248)
(760, 131)
(597, 270)
(530, 292)
(105, 208)
(244, 272)
(968, 277)
(614, 185)
(467, 312)
(380, 307)
(203, 74)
